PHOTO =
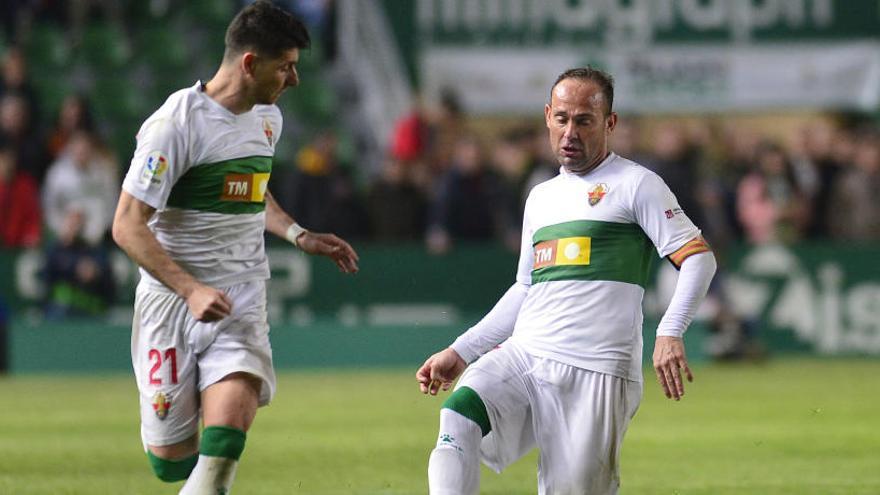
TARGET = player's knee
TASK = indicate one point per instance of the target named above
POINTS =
(172, 470)
(467, 402)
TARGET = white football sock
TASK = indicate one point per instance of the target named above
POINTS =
(454, 466)
(212, 476)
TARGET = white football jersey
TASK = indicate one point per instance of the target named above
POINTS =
(586, 255)
(206, 170)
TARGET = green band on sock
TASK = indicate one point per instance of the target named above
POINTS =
(172, 470)
(222, 441)
(466, 402)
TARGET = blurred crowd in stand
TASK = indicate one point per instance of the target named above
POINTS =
(440, 183)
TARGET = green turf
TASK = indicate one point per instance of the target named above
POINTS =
(789, 427)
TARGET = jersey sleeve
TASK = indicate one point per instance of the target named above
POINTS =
(658, 213)
(160, 159)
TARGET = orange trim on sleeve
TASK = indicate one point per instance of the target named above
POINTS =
(691, 247)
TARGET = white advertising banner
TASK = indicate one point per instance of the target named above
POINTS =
(675, 78)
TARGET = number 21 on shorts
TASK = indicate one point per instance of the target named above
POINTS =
(158, 358)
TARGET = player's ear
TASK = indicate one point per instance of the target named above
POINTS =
(547, 111)
(249, 63)
(611, 122)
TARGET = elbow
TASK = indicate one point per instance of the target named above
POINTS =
(119, 233)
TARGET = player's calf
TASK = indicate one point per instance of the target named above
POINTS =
(174, 462)
(169, 470)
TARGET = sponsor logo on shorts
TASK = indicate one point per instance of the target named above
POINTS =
(597, 193)
(161, 405)
(154, 168)
(566, 251)
(248, 188)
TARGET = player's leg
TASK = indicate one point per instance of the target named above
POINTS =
(487, 417)
(228, 410)
(454, 465)
(165, 372)
(235, 377)
(174, 462)
(581, 419)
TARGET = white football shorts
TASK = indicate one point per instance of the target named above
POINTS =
(175, 357)
(576, 417)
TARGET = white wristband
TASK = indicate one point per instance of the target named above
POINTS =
(293, 232)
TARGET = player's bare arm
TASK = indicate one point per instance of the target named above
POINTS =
(697, 266)
(278, 222)
(131, 233)
(439, 371)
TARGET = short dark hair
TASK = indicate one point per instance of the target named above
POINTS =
(266, 29)
(588, 73)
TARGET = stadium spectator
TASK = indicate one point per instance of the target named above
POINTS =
(20, 224)
(854, 210)
(81, 183)
(466, 206)
(512, 163)
(193, 213)
(16, 129)
(545, 166)
(75, 114)
(322, 191)
(560, 353)
(770, 204)
(447, 128)
(396, 205)
(677, 160)
(817, 172)
(16, 80)
(78, 198)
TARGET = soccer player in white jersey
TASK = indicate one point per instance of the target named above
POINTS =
(558, 359)
(192, 213)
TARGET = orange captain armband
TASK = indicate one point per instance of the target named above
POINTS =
(691, 247)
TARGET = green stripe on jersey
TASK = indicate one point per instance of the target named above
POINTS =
(618, 252)
(233, 186)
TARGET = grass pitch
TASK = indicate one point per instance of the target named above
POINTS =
(786, 427)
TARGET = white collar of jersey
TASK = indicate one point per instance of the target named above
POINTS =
(200, 89)
(608, 159)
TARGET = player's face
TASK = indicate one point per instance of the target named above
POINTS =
(273, 75)
(578, 126)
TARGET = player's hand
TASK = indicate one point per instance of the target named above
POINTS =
(669, 361)
(208, 304)
(332, 247)
(439, 371)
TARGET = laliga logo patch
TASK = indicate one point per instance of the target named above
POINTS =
(161, 404)
(267, 130)
(154, 168)
(597, 193)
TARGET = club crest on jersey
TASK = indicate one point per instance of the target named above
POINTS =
(267, 130)
(161, 405)
(154, 167)
(597, 193)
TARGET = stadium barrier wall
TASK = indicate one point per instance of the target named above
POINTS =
(405, 304)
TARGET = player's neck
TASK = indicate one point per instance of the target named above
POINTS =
(229, 91)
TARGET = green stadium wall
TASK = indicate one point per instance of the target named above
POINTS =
(404, 304)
